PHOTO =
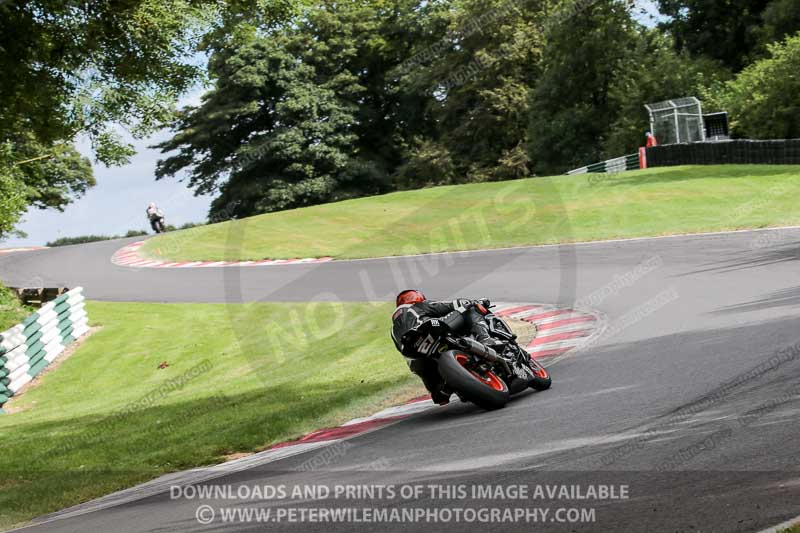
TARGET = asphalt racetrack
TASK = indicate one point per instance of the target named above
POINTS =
(690, 398)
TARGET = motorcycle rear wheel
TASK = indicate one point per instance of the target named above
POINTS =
(486, 390)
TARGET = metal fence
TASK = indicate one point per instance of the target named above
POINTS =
(618, 164)
(677, 121)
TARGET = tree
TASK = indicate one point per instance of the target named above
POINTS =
(573, 105)
(488, 55)
(299, 115)
(40, 181)
(12, 200)
(762, 99)
(781, 20)
(73, 69)
(725, 30)
(81, 68)
(659, 74)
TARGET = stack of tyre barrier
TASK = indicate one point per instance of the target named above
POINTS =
(27, 348)
(739, 152)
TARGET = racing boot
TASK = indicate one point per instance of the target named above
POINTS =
(487, 340)
(427, 370)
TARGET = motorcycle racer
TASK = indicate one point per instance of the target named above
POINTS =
(413, 309)
(156, 217)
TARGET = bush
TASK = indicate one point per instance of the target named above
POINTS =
(11, 309)
(762, 99)
(12, 199)
(82, 239)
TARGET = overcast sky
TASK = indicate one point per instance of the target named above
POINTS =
(117, 203)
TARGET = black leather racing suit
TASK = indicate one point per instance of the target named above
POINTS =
(154, 214)
(408, 317)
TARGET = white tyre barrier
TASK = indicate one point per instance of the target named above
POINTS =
(27, 348)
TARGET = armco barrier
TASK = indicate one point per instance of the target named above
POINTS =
(618, 164)
(27, 348)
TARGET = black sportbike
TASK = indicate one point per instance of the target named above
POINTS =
(158, 224)
(485, 376)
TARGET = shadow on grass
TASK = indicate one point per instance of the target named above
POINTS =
(50, 465)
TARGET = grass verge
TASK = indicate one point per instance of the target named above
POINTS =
(239, 378)
(531, 211)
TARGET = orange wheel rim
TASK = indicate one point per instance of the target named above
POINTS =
(489, 379)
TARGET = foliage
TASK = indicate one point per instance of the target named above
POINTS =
(82, 239)
(572, 104)
(83, 69)
(734, 32)
(356, 98)
(488, 57)
(781, 20)
(725, 30)
(12, 199)
(646, 83)
(762, 99)
(12, 311)
(297, 116)
(70, 70)
(348, 100)
(80, 69)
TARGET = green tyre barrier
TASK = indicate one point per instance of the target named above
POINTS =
(34, 348)
(31, 329)
(34, 338)
(37, 357)
(38, 367)
(61, 307)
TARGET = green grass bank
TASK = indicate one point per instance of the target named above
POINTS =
(239, 378)
(659, 201)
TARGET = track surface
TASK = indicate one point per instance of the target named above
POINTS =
(666, 381)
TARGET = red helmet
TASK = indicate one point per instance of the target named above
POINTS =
(410, 296)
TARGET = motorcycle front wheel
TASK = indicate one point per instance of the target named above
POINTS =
(484, 389)
(541, 380)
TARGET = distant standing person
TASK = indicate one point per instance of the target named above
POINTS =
(156, 218)
(651, 140)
